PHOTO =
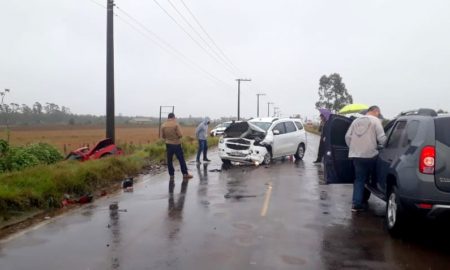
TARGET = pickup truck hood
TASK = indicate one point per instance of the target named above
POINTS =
(244, 130)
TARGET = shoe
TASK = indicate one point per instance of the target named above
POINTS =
(198, 162)
(187, 176)
(358, 209)
(317, 161)
(206, 160)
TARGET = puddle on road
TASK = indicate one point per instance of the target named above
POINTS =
(220, 205)
(293, 260)
(244, 240)
(244, 226)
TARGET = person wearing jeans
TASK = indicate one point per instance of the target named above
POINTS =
(365, 169)
(171, 133)
(202, 136)
(363, 137)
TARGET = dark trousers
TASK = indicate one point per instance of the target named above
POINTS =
(175, 149)
(320, 152)
(202, 147)
(365, 168)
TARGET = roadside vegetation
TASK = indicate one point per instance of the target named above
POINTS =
(44, 186)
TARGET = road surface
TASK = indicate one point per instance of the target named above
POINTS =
(279, 217)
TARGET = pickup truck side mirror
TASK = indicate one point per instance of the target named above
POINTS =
(276, 132)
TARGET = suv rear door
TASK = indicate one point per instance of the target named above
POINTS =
(442, 162)
(293, 138)
(389, 156)
(338, 167)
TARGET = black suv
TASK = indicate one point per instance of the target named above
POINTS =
(413, 167)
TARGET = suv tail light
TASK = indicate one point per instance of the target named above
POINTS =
(427, 160)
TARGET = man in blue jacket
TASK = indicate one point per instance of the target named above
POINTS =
(202, 135)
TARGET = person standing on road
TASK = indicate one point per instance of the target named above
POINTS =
(202, 136)
(171, 133)
(363, 138)
(324, 116)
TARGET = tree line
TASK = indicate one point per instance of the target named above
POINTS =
(14, 114)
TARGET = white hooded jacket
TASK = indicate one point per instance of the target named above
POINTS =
(364, 136)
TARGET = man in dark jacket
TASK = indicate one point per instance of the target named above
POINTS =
(202, 136)
(171, 133)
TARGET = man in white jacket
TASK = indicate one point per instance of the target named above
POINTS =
(363, 138)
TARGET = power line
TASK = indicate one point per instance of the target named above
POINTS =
(192, 38)
(209, 36)
(164, 45)
(98, 4)
(199, 35)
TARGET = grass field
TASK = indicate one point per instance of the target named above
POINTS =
(67, 138)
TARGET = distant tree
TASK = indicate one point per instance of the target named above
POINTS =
(26, 109)
(71, 121)
(65, 110)
(50, 108)
(441, 111)
(333, 94)
(37, 108)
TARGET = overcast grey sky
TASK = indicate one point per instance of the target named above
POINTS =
(392, 53)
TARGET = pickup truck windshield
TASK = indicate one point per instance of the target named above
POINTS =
(262, 125)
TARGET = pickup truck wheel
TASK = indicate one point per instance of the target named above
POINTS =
(267, 158)
(226, 162)
(300, 152)
(395, 213)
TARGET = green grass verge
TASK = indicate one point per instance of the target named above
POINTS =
(312, 129)
(43, 186)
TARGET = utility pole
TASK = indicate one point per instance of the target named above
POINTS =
(275, 111)
(257, 102)
(239, 96)
(268, 108)
(110, 115)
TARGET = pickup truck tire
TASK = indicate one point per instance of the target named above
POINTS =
(226, 161)
(267, 158)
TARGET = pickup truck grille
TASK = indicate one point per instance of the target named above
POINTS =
(238, 144)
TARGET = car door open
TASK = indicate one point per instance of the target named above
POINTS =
(338, 167)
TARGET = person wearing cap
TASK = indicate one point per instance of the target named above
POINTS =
(171, 133)
(202, 135)
(362, 138)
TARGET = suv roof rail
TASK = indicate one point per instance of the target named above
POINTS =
(275, 119)
(423, 111)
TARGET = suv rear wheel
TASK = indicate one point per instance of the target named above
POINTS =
(395, 213)
(300, 152)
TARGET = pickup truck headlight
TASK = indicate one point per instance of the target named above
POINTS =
(221, 140)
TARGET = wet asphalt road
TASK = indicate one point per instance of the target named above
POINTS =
(280, 217)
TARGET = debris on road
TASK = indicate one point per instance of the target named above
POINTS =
(127, 184)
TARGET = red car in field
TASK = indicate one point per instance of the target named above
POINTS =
(102, 149)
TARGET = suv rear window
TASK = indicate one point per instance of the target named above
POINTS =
(442, 126)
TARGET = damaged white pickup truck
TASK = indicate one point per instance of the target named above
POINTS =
(260, 140)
